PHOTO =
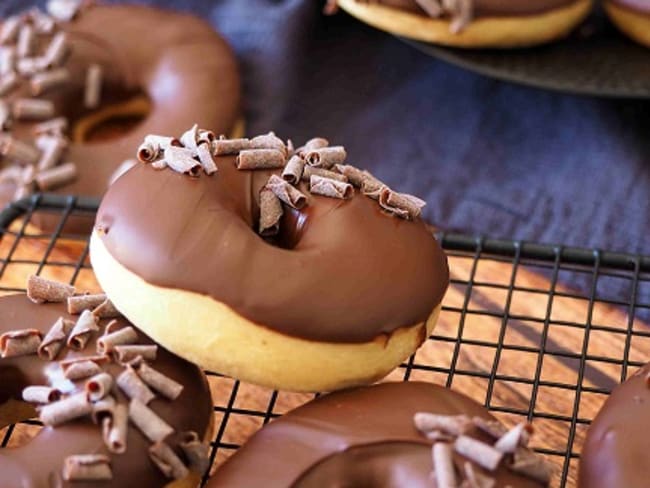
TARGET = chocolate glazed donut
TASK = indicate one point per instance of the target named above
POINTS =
(186, 71)
(39, 462)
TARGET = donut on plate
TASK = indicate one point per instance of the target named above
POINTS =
(616, 448)
(117, 409)
(283, 267)
(411, 434)
(631, 17)
(471, 23)
(71, 90)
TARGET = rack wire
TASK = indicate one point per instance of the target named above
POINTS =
(512, 334)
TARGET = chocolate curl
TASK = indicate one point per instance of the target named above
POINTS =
(222, 147)
(106, 343)
(79, 303)
(32, 109)
(162, 142)
(85, 326)
(293, 170)
(315, 143)
(290, 149)
(325, 157)
(148, 152)
(133, 386)
(31, 66)
(26, 41)
(325, 173)
(55, 127)
(476, 479)
(260, 159)
(115, 429)
(189, 137)
(8, 82)
(205, 136)
(514, 438)
(270, 213)
(205, 157)
(451, 424)
(103, 408)
(54, 339)
(431, 7)
(106, 310)
(52, 148)
(73, 407)
(159, 382)
(462, 15)
(443, 466)
(9, 30)
(404, 206)
(43, 23)
(93, 91)
(181, 160)
(56, 177)
(7, 60)
(160, 164)
(285, 192)
(87, 467)
(167, 461)
(145, 419)
(124, 166)
(19, 342)
(98, 386)
(76, 369)
(64, 10)
(531, 465)
(42, 82)
(479, 452)
(196, 452)
(126, 353)
(330, 188)
(493, 428)
(56, 50)
(269, 141)
(41, 394)
(19, 151)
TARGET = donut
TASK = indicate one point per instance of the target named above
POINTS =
(109, 415)
(617, 442)
(472, 23)
(631, 17)
(69, 116)
(272, 282)
(390, 435)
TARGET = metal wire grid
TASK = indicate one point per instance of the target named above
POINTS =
(490, 342)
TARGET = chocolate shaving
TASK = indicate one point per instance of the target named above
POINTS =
(270, 213)
(55, 177)
(26, 41)
(43, 23)
(462, 15)
(106, 343)
(69, 408)
(54, 339)
(325, 157)
(19, 342)
(315, 143)
(443, 465)
(493, 428)
(32, 109)
(293, 170)
(196, 452)
(79, 303)
(103, 409)
(160, 164)
(515, 437)
(372, 187)
(162, 142)
(531, 465)
(431, 7)
(41, 394)
(190, 137)
(75, 369)
(127, 352)
(330, 188)
(290, 149)
(98, 386)
(260, 159)
(145, 419)
(269, 141)
(52, 148)
(205, 157)
(7, 59)
(93, 91)
(398, 204)
(9, 30)
(19, 151)
(450, 424)
(286, 192)
(222, 147)
(87, 467)
(42, 82)
(181, 160)
(206, 136)
(56, 50)
(167, 461)
(106, 310)
(85, 326)
(353, 174)
(476, 479)
(325, 173)
(159, 382)
(56, 127)
(133, 386)
(148, 152)
(8, 82)
(479, 452)
(115, 429)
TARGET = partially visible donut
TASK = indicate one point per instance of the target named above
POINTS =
(632, 17)
(168, 68)
(368, 437)
(341, 295)
(472, 23)
(39, 463)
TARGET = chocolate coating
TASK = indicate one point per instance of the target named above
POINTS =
(360, 437)
(187, 71)
(616, 449)
(642, 6)
(351, 273)
(38, 463)
(487, 8)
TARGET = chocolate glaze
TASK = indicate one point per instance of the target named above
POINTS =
(642, 6)
(616, 449)
(487, 8)
(360, 437)
(186, 69)
(38, 463)
(352, 273)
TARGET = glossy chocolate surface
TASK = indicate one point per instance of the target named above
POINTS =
(38, 463)
(351, 273)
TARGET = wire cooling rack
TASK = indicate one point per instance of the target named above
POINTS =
(511, 334)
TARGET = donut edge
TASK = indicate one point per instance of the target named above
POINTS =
(243, 349)
(488, 32)
(635, 25)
